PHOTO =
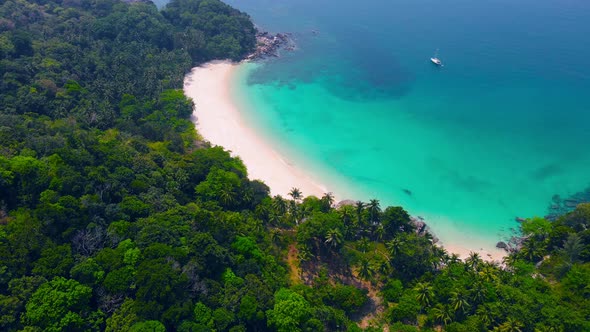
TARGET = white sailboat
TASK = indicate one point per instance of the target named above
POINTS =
(436, 60)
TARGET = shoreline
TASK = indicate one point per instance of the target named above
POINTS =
(496, 255)
(218, 120)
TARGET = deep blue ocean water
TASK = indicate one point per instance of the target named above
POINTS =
(492, 135)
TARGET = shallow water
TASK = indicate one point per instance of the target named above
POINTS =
(492, 135)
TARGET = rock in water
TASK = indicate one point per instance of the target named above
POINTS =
(268, 45)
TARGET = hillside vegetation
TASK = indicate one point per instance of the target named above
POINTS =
(116, 216)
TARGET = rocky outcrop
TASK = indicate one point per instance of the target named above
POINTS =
(422, 228)
(345, 202)
(268, 45)
(514, 244)
(559, 206)
(501, 245)
(419, 224)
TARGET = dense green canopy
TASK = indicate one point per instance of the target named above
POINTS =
(116, 216)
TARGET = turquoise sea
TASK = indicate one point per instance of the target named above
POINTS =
(492, 135)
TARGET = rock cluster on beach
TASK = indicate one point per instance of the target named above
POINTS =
(268, 45)
(514, 244)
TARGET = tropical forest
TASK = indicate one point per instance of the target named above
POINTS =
(116, 215)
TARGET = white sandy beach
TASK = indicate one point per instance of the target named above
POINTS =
(495, 255)
(219, 121)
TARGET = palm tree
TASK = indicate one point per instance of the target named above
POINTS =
(489, 273)
(379, 232)
(304, 254)
(248, 195)
(226, 196)
(394, 246)
(366, 270)
(274, 218)
(439, 255)
(327, 201)
(346, 214)
(374, 210)
(570, 253)
(275, 235)
(364, 245)
(294, 211)
(473, 261)
(509, 260)
(485, 315)
(385, 266)
(572, 248)
(424, 293)
(295, 193)
(279, 205)
(257, 226)
(510, 325)
(443, 314)
(454, 259)
(262, 210)
(334, 237)
(305, 211)
(479, 292)
(459, 301)
(534, 250)
(359, 207)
